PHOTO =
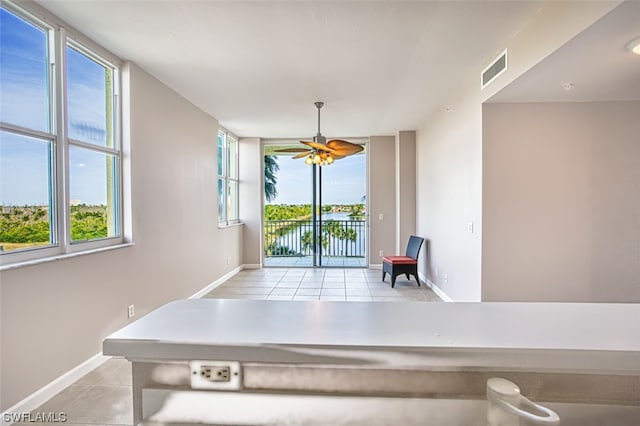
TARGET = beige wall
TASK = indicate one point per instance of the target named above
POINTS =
(449, 197)
(449, 150)
(251, 194)
(55, 315)
(382, 197)
(561, 204)
(405, 188)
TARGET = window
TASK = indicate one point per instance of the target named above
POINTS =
(227, 178)
(60, 156)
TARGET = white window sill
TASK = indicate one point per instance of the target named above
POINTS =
(230, 225)
(62, 256)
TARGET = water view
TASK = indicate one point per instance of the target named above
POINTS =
(340, 230)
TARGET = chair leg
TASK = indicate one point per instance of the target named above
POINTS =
(383, 275)
(415, 274)
(393, 281)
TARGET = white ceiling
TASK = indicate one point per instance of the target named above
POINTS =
(257, 67)
(379, 66)
(596, 63)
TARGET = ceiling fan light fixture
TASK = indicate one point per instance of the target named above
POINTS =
(322, 152)
(634, 45)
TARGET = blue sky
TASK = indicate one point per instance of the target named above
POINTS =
(24, 100)
(343, 182)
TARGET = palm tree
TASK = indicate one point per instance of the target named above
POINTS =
(270, 179)
(307, 241)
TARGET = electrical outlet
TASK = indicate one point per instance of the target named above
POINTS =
(380, 216)
(381, 253)
(215, 374)
(228, 260)
(131, 311)
(223, 375)
(446, 278)
(436, 271)
(470, 227)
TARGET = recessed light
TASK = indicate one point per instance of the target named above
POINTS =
(568, 86)
(634, 46)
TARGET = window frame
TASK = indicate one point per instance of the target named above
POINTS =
(60, 37)
(227, 179)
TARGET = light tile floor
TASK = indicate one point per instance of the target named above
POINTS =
(103, 396)
(351, 285)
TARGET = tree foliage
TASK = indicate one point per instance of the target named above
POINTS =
(287, 211)
(30, 224)
(271, 167)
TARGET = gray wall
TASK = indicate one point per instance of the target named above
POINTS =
(405, 188)
(251, 195)
(382, 197)
(55, 315)
(561, 202)
(449, 151)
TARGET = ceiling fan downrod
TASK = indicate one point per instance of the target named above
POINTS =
(319, 138)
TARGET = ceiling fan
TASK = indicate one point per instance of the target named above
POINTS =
(320, 151)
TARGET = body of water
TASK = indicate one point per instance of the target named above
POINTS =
(334, 246)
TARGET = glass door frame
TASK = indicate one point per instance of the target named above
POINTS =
(316, 209)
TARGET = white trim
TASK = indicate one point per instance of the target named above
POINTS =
(375, 266)
(216, 283)
(225, 225)
(437, 290)
(49, 390)
(224, 278)
(4, 267)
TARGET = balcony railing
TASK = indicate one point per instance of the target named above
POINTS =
(337, 238)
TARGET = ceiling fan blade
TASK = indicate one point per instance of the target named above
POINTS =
(318, 146)
(302, 154)
(292, 150)
(344, 148)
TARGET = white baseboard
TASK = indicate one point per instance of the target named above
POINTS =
(224, 278)
(375, 266)
(49, 390)
(216, 283)
(437, 290)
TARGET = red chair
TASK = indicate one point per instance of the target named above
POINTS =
(408, 265)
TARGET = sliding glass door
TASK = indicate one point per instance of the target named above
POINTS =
(342, 219)
(314, 216)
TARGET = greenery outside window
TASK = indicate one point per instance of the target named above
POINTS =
(228, 183)
(60, 155)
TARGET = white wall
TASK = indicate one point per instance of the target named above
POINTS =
(55, 315)
(449, 150)
(561, 202)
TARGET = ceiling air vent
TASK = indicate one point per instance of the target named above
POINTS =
(496, 68)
